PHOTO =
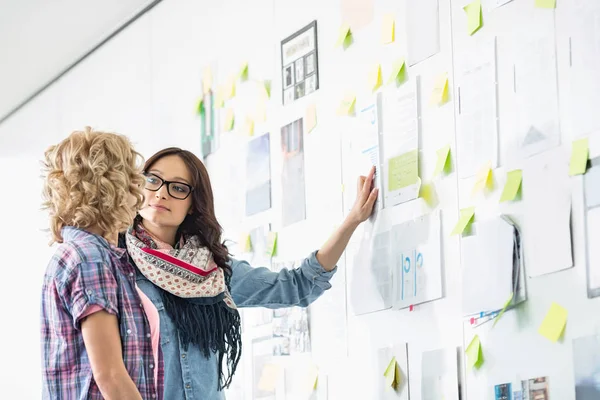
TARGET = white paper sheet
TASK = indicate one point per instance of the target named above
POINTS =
(591, 186)
(499, 3)
(487, 266)
(536, 87)
(477, 119)
(584, 31)
(400, 135)
(439, 375)
(422, 29)
(417, 261)
(547, 210)
(384, 356)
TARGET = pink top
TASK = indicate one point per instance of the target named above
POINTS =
(153, 320)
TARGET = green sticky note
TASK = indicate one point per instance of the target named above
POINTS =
(474, 16)
(427, 193)
(512, 186)
(443, 159)
(344, 36)
(466, 216)
(403, 170)
(390, 373)
(244, 71)
(347, 105)
(554, 323)
(398, 74)
(579, 157)
(545, 3)
(229, 120)
(475, 353)
(200, 106)
(510, 299)
(267, 85)
(272, 244)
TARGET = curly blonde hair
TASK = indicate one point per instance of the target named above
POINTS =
(91, 179)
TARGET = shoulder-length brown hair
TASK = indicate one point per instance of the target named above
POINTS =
(202, 222)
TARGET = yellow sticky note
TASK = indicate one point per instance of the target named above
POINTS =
(313, 378)
(427, 193)
(207, 80)
(229, 120)
(504, 307)
(398, 74)
(249, 126)
(475, 353)
(375, 80)
(483, 179)
(246, 243)
(311, 117)
(267, 88)
(442, 164)
(243, 75)
(268, 378)
(200, 106)
(403, 170)
(545, 3)
(512, 186)
(440, 90)
(230, 88)
(474, 16)
(388, 29)
(347, 105)
(344, 36)
(554, 324)
(466, 217)
(272, 244)
(220, 97)
(390, 373)
(579, 157)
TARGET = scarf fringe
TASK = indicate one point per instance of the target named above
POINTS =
(213, 328)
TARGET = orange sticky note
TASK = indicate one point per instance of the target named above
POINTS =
(311, 117)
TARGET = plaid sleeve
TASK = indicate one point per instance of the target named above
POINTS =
(88, 284)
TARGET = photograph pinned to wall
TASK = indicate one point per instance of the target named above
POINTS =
(586, 363)
(439, 375)
(258, 175)
(591, 184)
(503, 391)
(266, 374)
(209, 134)
(535, 389)
(300, 65)
(293, 173)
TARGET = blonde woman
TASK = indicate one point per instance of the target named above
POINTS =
(99, 333)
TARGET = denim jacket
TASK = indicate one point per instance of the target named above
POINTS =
(188, 374)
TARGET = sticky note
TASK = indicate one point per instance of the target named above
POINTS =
(347, 105)
(466, 217)
(207, 80)
(512, 186)
(272, 244)
(229, 90)
(246, 243)
(375, 80)
(579, 157)
(427, 193)
(388, 29)
(267, 88)
(310, 117)
(200, 106)
(229, 120)
(443, 161)
(545, 3)
(440, 90)
(554, 323)
(474, 16)
(474, 353)
(249, 126)
(403, 170)
(398, 74)
(243, 75)
(390, 374)
(483, 179)
(268, 378)
(313, 378)
(220, 97)
(504, 307)
(344, 36)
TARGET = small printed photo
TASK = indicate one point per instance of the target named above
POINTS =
(288, 76)
(299, 70)
(299, 90)
(310, 63)
(311, 84)
(288, 95)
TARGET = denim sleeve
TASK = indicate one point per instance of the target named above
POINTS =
(260, 287)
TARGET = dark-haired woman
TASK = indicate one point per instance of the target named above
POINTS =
(185, 269)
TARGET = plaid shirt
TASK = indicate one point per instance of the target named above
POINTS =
(84, 271)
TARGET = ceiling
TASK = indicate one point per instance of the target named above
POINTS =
(39, 39)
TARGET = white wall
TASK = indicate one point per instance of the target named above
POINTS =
(145, 83)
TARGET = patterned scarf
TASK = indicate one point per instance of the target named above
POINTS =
(195, 294)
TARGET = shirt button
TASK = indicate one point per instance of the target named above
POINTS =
(183, 356)
(187, 386)
(129, 331)
(89, 291)
(131, 274)
(153, 396)
(148, 335)
(151, 366)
